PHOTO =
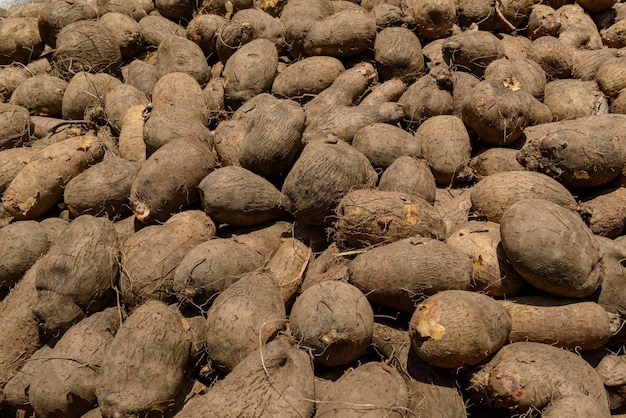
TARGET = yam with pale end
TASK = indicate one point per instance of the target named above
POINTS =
(39, 185)
(563, 258)
(150, 256)
(399, 274)
(144, 366)
(334, 320)
(367, 217)
(455, 328)
(495, 193)
(77, 274)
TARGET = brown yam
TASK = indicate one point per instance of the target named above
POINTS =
(383, 143)
(542, 21)
(454, 328)
(131, 144)
(472, 51)
(40, 95)
(155, 29)
(434, 18)
(156, 200)
(127, 32)
(324, 172)
(605, 212)
(228, 137)
(11, 163)
(411, 176)
(334, 320)
(565, 323)
(77, 275)
(367, 217)
(181, 91)
(553, 56)
(259, 311)
(144, 366)
(492, 273)
(119, 100)
(398, 53)
(238, 197)
(527, 72)
(563, 260)
(265, 25)
(176, 9)
(165, 124)
(298, 17)
(141, 75)
(86, 91)
(16, 127)
(103, 189)
(577, 28)
(610, 76)
(39, 185)
(203, 30)
(401, 273)
(86, 46)
(615, 35)
(232, 36)
(494, 194)
(178, 54)
(19, 40)
(150, 256)
(307, 77)
(426, 98)
(55, 15)
(572, 99)
(493, 161)
(21, 245)
(288, 265)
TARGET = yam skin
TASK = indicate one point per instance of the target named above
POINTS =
(445, 145)
(181, 91)
(528, 375)
(85, 91)
(178, 54)
(16, 127)
(587, 61)
(343, 34)
(21, 245)
(613, 36)
(77, 274)
(367, 217)
(370, 390)
(103, 189)
(215, 99)
(307, 77)
(210, 267)
(288, 265)
(130, 141)
(137, 9)
(238, 197)
(11, 76)
(40, 95)
(424, 99)
(610, 76)
(398, 274)
(565, 323)
(64, 384)
(167, 123)
(572, 99)
(580, 153)
(577, 28)
(55, 15)
(126, 31)
(494, 194)
(151, 255)
(144, 366)
(498, 110)
(563, 260)
(250, 70)
(72, 54)
(334, 320)
(411, 176)
(155, 29)
(203, 29)
(16, 391)
(19, 40)
(553, 56)
(491, 161)
(39, 185)
(454, 328)
(324, 172)
(388, 91)
(231, 36)
(265, 25)
(298, 17)
(542, 21)
(604, 212)
(185, 162)
(611, 294)
(277, 379)
(472, 50)
(19, 337)
(245, 315)
(119, 100)
(274, 139)
(176, 9)
(529, 73)
(383, 143)
(228, 137)
(141, 75)
(492, 273)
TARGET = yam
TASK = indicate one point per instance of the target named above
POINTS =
(307, 77)
(398, 53)
(155, 29)
(203, 30)
(553, 56)
(21, 245)
(130, 141)
(150, 256)
(168, 123)
(16, 390)
(265, 25)
(77, 274)
(86, 91)
(424, 99)
(12, 161)
(127, 32)
(563, 260)
(231, 36)
(577, 28)
(334, 320)
(141, 75)
(399, 274)
(610, 76)
(39, 185)
(117, 102)
(472, 51)
(40, 95)
(572, 99)
(492, 161)
(527, 72)
(298, 17)
(411, 176)
(256, 301)
(383, 143)
(55, 15)
(176, 9)
(542, 21)
(178, 54)
(604, 212)
(288, 265)
(16, 127)
(19, 40)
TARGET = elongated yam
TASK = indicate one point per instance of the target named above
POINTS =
(39, 185)
(545, 319)
(401, 273)
(368, 217)
(260, 313)
(144, 366)
(119, 100)
(308, 76)
(130, 141)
